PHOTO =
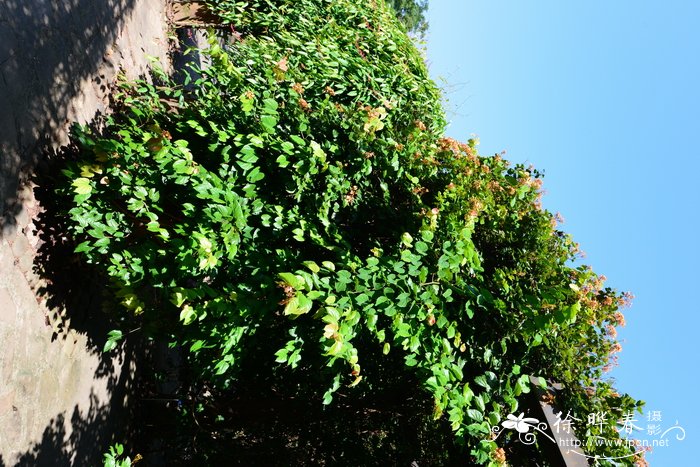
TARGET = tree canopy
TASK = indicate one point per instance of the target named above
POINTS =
(411, 14)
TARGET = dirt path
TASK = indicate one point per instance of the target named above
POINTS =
(59, 395)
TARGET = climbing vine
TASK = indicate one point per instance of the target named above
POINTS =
(296, 203)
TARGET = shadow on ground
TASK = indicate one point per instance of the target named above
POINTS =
(51, 52)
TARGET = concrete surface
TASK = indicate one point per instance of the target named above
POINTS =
(60, 397)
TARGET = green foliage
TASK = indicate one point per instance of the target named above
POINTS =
(411, 13)
(116, 458)
(299, 210)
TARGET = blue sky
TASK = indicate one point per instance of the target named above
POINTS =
(603, 96)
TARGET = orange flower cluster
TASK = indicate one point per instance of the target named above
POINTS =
(475, 207)
(499, 455)
(494, 186)
(625, 300)
(619, 318)
(611, 331)
(594, 285)
(350, 196)
(449, 144)
(457, 149)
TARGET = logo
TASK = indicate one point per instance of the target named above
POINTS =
(561, 432)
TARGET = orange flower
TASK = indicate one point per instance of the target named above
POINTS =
(499, 455)
(282, 64)
(625, 300)
(304, 105)
(350, 196)
(494, 186)
(619, 318)
(611, 331)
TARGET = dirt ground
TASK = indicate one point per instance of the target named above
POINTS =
(61, 399)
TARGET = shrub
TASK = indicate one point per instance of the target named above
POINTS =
(297, 210)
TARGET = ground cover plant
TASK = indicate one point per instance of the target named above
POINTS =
(294, 217)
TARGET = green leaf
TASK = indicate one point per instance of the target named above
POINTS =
(196, 346)
(305, 304)
(113, 337)
(221, 367)
(481, 381)
(361, 299)
(84, 246)
(109, 345)
(269, 122)
(298, 305)
(282, 161)
(82, 186)
(475, 415)
(178, 298)
(187, 315)
(479, 401)
(270, 105)
(312, 266)
(344, 276)
(255, 175)
(294, 281)
(524, 383)
(281, 355)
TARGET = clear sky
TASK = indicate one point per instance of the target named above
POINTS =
(604, 97)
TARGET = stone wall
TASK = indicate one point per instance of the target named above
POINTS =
(61, 400)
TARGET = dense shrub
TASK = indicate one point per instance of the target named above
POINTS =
(296, 219)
